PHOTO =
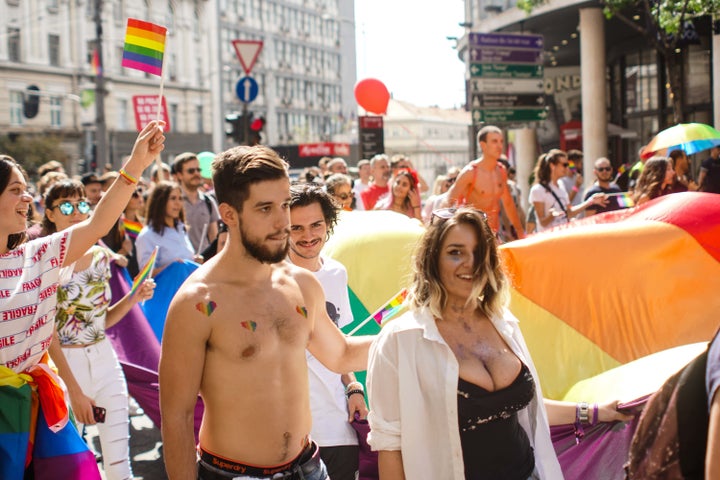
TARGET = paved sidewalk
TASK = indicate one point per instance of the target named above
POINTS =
(145, 449)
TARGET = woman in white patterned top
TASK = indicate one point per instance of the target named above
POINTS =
(85, 358)
(30, 272)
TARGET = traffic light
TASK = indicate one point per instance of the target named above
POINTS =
(31, 101)
(256, 127)
(236, 127)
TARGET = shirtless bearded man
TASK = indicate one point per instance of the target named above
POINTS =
(482, 184)
(237, 331)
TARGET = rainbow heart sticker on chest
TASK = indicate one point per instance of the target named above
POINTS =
(250, 325)
(301, 310)
(206, 308)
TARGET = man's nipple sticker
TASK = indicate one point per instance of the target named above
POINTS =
(250, 325)
(206, 308)
(301, 310)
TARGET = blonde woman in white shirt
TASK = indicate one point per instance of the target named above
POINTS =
(458, 369)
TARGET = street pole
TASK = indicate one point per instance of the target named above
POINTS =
(100, 127)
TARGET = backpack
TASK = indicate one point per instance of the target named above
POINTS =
(671, 436)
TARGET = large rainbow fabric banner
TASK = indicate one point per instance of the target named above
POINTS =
(610, 289)
(145, 272)
(144, 46)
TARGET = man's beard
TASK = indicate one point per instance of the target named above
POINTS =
(261, 252)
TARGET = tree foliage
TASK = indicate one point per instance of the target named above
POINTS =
(31, 151)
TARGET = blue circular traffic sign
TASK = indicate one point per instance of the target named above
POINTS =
(247, 89)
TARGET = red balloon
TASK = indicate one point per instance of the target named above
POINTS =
(372, 95)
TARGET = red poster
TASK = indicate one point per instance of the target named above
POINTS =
(146, 110)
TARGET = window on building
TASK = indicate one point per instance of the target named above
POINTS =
(199, 119)
(170, 17)
(122, 114)
(641, 81)
(173, 116)
(56, 112)
(54, 50)
(13, 44)
(52, 5)
(119, 11)
(16, 108)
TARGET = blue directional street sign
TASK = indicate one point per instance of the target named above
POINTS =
(247, 89)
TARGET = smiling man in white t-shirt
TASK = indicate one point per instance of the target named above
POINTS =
(334, 398)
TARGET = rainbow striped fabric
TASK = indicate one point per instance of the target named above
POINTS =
(34, 427)
(390, 308)
(145, 272)
(132, 228)
(144, 46)
(625, 200)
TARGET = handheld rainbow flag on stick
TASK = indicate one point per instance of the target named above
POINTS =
(145, 272)
(387, 311)
(144, 50)
(144, 46)
(623, 198)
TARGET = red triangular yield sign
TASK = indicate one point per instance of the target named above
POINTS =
(247, 52)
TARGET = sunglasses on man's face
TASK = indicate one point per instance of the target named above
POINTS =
(192, 170)
(67, 208)
(604, 169)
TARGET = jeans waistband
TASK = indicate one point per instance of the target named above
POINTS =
(212, 467)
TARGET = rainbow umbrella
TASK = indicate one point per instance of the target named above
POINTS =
(688, 137)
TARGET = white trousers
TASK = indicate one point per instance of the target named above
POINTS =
(101, 378)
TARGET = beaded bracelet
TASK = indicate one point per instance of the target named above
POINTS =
(127, 177)
(353, 392)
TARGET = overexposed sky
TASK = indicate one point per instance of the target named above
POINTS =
(403, 44)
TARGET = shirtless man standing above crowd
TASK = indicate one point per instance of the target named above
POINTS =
(482, 184)
(236, 333)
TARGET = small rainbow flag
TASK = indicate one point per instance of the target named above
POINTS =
(144, 46)
(145, 272)
(132, 228)
(571, 165)
(622, 169)
(95, 64)
(625, 200)
(392, 307)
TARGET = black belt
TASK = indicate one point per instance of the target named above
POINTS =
(307, 463)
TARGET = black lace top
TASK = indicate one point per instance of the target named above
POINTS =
(494, 444)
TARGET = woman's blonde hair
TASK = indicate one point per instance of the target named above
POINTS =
(490, 285)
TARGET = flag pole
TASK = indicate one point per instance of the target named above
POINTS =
(158, 160)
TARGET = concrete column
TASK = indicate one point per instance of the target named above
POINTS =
(592, 74)
(525, 156)
(716, 77)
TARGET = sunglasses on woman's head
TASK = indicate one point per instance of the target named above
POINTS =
(67, 208)
(445, 213)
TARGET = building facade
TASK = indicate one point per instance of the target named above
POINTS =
(306, 71)
(606, 87)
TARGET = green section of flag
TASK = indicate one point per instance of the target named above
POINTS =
(360, 313)
(148, 52)
(15, 409)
